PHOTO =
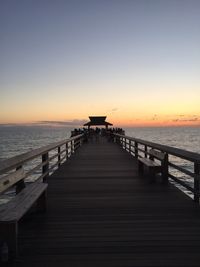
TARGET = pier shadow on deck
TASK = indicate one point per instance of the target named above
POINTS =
(100, 213)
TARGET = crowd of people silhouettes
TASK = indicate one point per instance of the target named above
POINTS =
(93, 134)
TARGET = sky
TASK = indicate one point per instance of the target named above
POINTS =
(136, 61)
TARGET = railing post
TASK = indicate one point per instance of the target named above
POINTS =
(145, 151)
(118, 140)
(72, 147)
(67, 152)
(121, 141)
(59, 156)
(196, 181)
(136, 149)
(165, 172)
(21, 184)
(79, 142)
(45, 167)
(129, 146)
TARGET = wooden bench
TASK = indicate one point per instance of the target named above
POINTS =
(17, 207)
(152, 166)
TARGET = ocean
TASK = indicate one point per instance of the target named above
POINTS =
(15, 140)
(187, 138)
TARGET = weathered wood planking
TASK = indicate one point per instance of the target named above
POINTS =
(14, 210)
(101, 214)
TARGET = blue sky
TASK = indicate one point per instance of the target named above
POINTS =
(65, 60)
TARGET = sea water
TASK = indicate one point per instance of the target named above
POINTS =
(187, 138)
(15, 140)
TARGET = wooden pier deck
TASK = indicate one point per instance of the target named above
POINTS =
(100, 213)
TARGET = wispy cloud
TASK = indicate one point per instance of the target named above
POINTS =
(186, 118)
(72, 123)
(112, 110)
(9, 124)
(75, 122)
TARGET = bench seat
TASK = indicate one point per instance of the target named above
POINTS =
(14, 210)
(152, 166)
(150, 163)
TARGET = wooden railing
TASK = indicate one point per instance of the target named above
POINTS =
(39, 162)
(175, 157)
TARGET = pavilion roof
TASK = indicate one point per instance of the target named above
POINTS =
(97, 121)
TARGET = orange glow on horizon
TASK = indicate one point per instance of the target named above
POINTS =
(120, 122)
(157, 121)
(156, 124)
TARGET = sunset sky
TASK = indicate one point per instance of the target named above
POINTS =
(136, 61)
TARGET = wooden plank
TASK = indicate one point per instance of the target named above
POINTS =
(157, 154)
(18, 206)
(149, 162)
(100, 213)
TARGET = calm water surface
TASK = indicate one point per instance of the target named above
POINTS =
(187, 138)
(15, 140)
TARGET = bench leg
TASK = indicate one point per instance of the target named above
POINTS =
(41, 202)
(9, 234)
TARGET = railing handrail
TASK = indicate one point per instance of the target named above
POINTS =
(128, 143)
(18, 160)
(185, 154)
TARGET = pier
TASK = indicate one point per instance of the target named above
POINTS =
(100, 211)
